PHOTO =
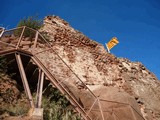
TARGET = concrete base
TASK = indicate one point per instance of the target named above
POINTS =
(37, 114)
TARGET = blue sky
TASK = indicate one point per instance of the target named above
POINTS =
(136, 23)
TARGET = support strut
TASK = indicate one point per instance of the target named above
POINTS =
(39, 89)
(24, 79)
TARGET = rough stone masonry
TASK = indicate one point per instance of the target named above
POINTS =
(111, 78)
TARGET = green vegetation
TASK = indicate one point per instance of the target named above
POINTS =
(20, 108)
(57, 107)
(31, 22)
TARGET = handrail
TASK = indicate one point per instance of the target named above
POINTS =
(56, 82)
(68, 66)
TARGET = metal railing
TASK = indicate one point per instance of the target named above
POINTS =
(31, 42)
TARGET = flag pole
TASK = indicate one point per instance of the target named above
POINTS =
(2, 31)
(107, 48)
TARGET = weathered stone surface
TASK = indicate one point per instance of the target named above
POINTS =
(100, 70)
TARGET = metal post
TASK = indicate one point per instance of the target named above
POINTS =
(100, 109)
(39, 89)
(24, 79)
(132, 112)
(107, 48)
(20, 37)
(38, 84)
(36, 39)
(91, 107)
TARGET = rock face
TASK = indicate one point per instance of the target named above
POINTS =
(109, 77)
(8, 90)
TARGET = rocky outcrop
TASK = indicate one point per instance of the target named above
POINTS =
(118, 79)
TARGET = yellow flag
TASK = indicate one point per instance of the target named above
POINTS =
(114, 41)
